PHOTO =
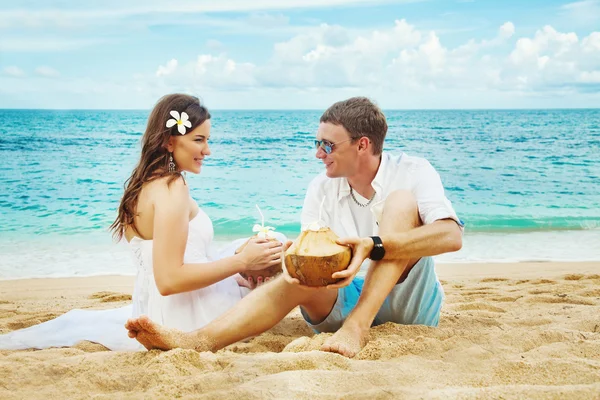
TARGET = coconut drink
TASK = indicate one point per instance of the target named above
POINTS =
(315, 256)
(262, 232)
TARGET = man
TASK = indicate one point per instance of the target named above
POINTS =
(390, 209)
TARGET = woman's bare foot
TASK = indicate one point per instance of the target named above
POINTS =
(154, 336)
(348, 341)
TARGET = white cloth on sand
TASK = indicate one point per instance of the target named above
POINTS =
(185, 311)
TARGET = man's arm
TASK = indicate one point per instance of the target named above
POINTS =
(442, 236)
(441, 232)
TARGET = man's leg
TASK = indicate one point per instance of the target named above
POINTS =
(259, 311)
(400, 214)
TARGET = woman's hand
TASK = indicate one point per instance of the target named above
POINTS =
(251, 283)
(261, 253)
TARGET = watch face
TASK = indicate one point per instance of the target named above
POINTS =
(378, 252)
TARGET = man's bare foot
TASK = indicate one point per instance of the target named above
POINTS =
(154, 336)
(348, 341)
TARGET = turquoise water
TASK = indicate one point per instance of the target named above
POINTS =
(526, 183)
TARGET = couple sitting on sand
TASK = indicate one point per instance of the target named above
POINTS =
(185, 298)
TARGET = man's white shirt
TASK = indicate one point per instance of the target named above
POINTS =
(401, 172)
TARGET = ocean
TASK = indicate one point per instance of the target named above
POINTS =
(525, 182)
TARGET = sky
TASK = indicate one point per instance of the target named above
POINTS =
(300, 54)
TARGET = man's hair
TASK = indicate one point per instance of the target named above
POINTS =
(360, 117)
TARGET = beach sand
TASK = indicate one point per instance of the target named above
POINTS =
(510, 331)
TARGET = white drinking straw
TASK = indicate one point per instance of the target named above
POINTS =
(261, 215)
(321, 209)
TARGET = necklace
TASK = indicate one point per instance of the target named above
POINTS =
(358, 203)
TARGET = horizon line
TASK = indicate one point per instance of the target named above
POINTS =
(310, 109)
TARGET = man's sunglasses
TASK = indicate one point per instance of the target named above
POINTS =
(327, 146)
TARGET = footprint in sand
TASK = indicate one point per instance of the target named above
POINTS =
(543, 338)
(592, 326)
(573, 277)
(476, 292)
(31, 320)
(8, 313)
(505, 299)
(479, 307)
(108, 297)
(532, 322)
(539, 291)
(536, 281)
(590, 293)
(305, 343)
(474, 321)
(562, 298)
(542, 281)
(493, 280)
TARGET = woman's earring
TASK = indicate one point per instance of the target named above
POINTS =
(171, 164)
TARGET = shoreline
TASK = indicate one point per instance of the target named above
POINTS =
(446, 268)
(98, 256)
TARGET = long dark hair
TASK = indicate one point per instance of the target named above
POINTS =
(154, 159)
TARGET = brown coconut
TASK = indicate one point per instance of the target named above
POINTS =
(315, 256)
(265, 273)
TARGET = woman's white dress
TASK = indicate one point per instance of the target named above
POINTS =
(185, 311)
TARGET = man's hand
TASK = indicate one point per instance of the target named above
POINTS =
(361, 249)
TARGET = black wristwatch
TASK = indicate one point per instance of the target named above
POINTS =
(378, 251)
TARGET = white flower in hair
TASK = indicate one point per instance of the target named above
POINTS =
(181, 122)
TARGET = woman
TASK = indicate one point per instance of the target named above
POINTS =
(179, 283)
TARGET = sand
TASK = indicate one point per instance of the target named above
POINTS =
(509, 331)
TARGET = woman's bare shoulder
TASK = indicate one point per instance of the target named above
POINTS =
(159, 194)
(167, 186)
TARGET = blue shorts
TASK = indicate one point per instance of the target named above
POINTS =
(416, 301)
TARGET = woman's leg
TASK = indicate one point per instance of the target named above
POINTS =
(259, 311)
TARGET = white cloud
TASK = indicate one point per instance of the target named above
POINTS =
(20, 44)
(13, 71)
(214, 45)
(97, 12)
(591, 44)
(267, 21)
(167, 69)
(47, 72)
(398, 62)
(507, 30)
(207, 71)
(403, 58)
(585, 12)
(221, 71)
(589, 77)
